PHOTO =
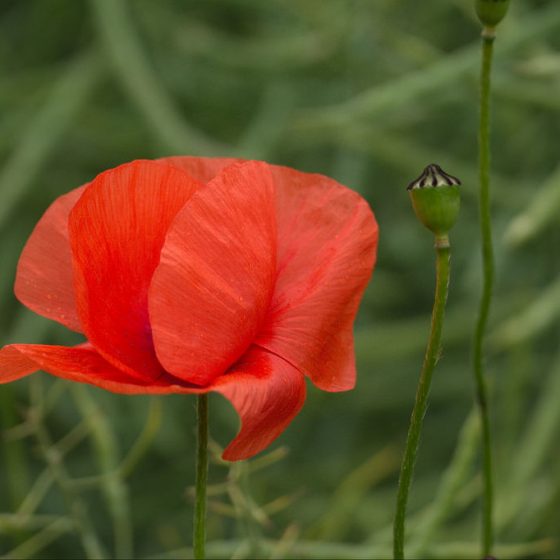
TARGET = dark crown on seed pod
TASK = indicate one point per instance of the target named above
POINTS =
(433, 176)
(436, 200)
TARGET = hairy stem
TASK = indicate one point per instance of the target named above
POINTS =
(199, 530)
(488, 282)
(422, 393)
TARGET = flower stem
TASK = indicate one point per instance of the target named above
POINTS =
(199, 529)
(488, 281)
(422, 392)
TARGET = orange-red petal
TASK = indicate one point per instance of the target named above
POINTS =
(44, 280)
(327, 242)
(80, 363)
(267, 393)
(212, 288)
(117, 230)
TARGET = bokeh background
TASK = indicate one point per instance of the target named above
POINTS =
(368, 92)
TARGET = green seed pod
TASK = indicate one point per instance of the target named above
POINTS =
(491, 12)
(436, 199)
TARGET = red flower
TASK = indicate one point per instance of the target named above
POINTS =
(189, 275)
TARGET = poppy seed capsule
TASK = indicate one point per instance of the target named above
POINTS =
(436, 199)
(491, 12)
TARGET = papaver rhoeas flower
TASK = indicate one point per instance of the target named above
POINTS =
(189, 275)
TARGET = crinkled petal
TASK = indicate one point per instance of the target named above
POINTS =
(327, 242)
(212, 287)
(267, 392)
(44, 280)
(117, 230)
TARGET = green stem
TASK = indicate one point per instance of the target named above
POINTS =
(422, 393)
(199, 533)
(111, 480)
(14, 458)
(90, 542)
(488, 282)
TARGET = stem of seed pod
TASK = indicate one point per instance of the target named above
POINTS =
(199, 529)
(488, 36)
(418, 412)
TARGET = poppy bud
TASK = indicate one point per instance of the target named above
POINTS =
(436, 200)
(491, 12)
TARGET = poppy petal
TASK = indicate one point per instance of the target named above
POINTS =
(80, 363)
(265, 390)
(117, 230)
(203, 169)
(327, 242)
(212, 288)
(267, 393)
(44, 280)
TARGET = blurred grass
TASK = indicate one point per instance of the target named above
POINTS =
(368, 92)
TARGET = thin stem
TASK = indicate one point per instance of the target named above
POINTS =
(111, 480)
(79, 514)
(422, 392)
(14, 458)
(488, 282)
(146, 437)
(199, 534)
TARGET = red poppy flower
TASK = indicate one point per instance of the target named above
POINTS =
(189, 275)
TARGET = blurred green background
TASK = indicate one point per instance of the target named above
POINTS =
(366, 91)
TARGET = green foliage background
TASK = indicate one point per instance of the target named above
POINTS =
(369, 92)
